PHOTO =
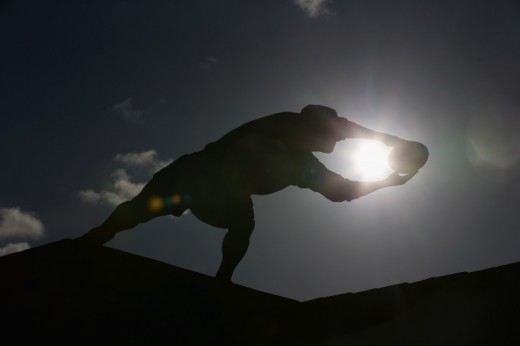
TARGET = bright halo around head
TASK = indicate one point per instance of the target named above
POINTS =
(370, 161)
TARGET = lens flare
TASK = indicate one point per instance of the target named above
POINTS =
(176, 199)
(494, 140)
(155, 204)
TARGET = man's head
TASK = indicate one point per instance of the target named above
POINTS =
(323, 126)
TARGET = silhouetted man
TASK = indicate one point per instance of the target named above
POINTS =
(260, 157)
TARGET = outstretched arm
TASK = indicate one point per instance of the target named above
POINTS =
(341, 127)
(350, 129)
(338, 189)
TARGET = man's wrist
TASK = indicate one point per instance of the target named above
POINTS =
(391, 140)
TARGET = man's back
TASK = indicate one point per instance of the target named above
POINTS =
(279, 126)
(262, 156)
(312, 125)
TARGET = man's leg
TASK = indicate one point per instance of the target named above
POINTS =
(124, 217)
(155, 199)
(236, 241)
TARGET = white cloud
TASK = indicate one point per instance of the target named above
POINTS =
(127, 111)
(122, 187)
(313, 8)
(89, 196)
(16, 223)
(147, 159)
(13, 247)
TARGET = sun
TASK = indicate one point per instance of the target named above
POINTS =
(359, 160)
(370, 160)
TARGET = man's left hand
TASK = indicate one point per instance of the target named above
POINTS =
(395, 178)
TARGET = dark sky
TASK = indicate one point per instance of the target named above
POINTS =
(95, 95)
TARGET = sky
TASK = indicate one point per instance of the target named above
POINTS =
(97, 96)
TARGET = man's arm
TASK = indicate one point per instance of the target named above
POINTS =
(338, 189)
(350, 129)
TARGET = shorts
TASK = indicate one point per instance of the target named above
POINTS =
(193, 182)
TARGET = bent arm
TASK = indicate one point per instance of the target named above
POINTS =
(317, 177)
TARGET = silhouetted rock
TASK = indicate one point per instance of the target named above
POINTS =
(66, 293)
(479, 308)
(63, 292)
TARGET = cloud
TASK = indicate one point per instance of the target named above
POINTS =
(13, 247)
(16, 223)
(313, 8)
(147, 159)
(122, 187)
(126, 110)
(19, 224)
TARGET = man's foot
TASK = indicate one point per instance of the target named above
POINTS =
(224, 276)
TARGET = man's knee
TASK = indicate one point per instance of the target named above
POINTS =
(242, 216)
(248, 225)
(133, 212)
(241, 231)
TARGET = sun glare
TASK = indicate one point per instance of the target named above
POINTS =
(359, 159)
(370, 161)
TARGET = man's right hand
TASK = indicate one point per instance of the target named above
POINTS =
(391, 141)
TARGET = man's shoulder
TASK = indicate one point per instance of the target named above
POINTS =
(272, 121)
